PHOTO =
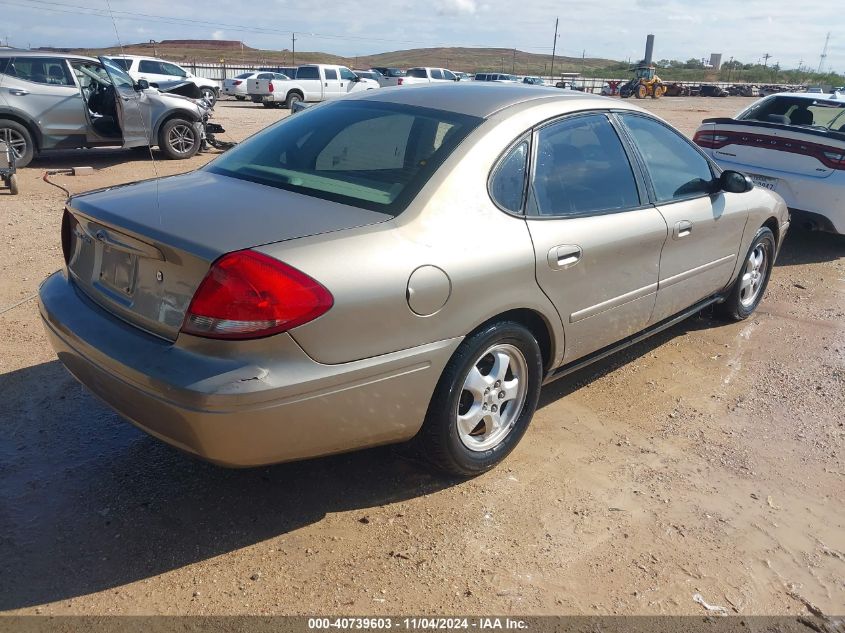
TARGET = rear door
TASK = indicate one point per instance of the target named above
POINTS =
(44, 89)
(132, 108)
(311, 81)
(705, 227)
(597, 240)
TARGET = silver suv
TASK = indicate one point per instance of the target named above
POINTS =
(51, 101)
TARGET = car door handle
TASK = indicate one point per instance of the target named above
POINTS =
(682, 229)
(564, 256)
(18, 92)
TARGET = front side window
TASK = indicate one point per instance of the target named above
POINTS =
(582, 168)
(367, 154)
(676, 168)
(508, 182)
(331, 74)
(347, 74)
(449, 75)
(52, 71)
(173, 70)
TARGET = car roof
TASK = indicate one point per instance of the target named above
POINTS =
(12, 52)
(812, 96)
(479, 99)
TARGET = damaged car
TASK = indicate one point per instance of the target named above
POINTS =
(50, 101)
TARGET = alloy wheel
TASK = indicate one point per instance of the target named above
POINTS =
(17, 141)
(753, 275)
(181, 138)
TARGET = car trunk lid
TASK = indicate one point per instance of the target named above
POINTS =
(771, 146)
(141, 250)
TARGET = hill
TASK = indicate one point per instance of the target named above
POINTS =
(456, 58)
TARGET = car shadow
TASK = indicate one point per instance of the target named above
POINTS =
(810, 247)
(88, 502)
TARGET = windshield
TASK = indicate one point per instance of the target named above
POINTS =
(363, 153)
(817, 113)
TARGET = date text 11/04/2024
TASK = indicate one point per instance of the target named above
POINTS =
(413, 624)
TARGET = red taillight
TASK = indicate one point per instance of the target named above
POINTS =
(237, 82)
(400, 81)
(713, 140)
(836, 160)
(271, 87)
(249, 295)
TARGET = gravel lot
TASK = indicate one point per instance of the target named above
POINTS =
(706, 460)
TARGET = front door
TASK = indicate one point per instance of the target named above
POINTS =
(597, 240)
(705, 225)
(132, 109)
(332, 84)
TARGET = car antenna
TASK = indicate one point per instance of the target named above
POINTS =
(138, 111)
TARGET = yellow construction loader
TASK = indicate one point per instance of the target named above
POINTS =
(644, 84)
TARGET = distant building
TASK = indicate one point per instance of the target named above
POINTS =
(716, 61)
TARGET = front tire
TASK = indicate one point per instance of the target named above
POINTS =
(21, 140)
(484, 400)
(209, 94)
(748, 290)
(179, 139)
(641, 92)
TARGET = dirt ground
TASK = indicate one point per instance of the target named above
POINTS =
(709, 460)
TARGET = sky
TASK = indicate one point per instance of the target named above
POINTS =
(791, 32)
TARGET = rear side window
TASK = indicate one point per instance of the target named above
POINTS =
(331, 73)
(124, 63)
(307, 72)
(149, 66)
(582, 168)
(417, 72)
(52, 71)
(367, 154)
(508, 182)
(676, 168)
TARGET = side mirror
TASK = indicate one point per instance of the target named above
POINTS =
(735, 182)
(141, 84)
(355, 79)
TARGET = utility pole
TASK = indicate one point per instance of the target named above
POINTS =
(513, 65)
(503, 63)
(554, 49)
(766, 60)
(293, 48)
(823, 56)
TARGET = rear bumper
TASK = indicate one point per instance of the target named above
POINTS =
(823, 197)
(269, 98)
(238, 409)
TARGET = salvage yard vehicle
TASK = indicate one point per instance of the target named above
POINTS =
(236, 87)
(708, 90)
(790, 143)
(427, 75)
(390, 76)
(645, 83)
(154, 71)
(54, 101)
(314, 82)
(413, 263)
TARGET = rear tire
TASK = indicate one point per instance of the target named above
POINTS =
(293, 97)
(240, 98)
(750, 286)
(270, 104)
(21, 139)
(179, 139)
(491, 384)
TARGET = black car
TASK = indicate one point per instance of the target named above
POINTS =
(712, 91)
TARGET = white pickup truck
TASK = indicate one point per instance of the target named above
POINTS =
(313, 82)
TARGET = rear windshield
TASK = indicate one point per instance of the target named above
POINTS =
(244, 76)
(363, 153)
(417, 72)
(395, 72)
(818, 113)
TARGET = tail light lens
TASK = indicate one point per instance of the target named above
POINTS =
(271, 88)
(250, 295)
(400, 80)
(836, 160)
(237, 82)
(712, 140)
(68, 225)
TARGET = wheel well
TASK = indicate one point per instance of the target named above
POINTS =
(535, 323)
(295, 91)
(773, 225)
(34, 132)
